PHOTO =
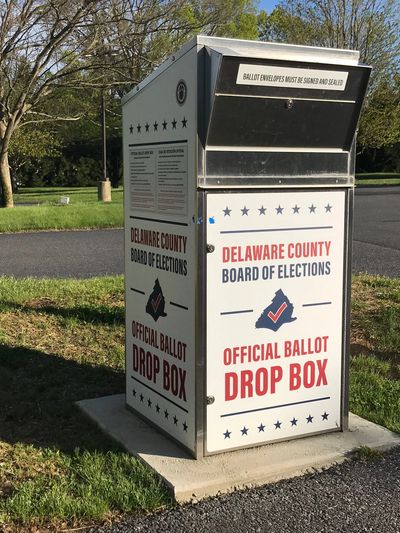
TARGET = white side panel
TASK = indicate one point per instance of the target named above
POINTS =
(160, 259)
(274, 316)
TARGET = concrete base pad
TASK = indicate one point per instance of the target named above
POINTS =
(191, 479)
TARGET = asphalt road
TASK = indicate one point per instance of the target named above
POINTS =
(83, 254)
(62, 254)
(376, 244)
(357, 496)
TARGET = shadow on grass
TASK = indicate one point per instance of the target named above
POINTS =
(37, 398)
(99, 315)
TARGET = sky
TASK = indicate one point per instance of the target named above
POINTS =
(268, 5)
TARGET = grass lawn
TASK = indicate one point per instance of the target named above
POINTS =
(39, 209)
(52, 195)
(378, 178)
(62, 341)
(375, 362)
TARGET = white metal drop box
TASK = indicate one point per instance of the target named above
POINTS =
(239, 175)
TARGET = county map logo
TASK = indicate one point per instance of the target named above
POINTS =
(156, 302)
(279, 312)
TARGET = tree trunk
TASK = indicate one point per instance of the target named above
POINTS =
(5, 178)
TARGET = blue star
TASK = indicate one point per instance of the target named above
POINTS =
(309, 419)
(262, 210)
(278, 424)
(211, 220)
(312, 208)
(328, 208)
(279, 210)
(245, 211)
(296, 209)
(227, 211)
(261, 427)
(227, 434)
(244, 430)
(294, 421)
(325, 416)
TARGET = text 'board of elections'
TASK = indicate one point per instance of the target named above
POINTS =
(274, 316)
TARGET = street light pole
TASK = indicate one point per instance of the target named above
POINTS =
(104, 135)
(104, 185)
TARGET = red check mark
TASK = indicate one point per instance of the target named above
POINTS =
(275, 316)
(155, 303)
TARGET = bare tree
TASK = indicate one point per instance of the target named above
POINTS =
(147, 31)
(49, 45)
(40, 46)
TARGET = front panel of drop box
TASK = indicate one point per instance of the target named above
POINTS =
(160, 258)
(276, 298)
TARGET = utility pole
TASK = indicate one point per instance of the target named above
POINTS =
(104, 185)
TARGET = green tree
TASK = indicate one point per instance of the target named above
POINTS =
(31, 143)
(380, 122)
(370, 26)
(136, 38)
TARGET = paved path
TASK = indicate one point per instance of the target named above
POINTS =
(357, 496)
(83, 254)
(376, 247)
(62, 254)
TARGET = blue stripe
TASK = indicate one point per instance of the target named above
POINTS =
(275, 407)
(137, 290)
(318, 303)
(274, 229)
(237, 312)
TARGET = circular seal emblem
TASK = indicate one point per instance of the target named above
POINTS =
(181, 92)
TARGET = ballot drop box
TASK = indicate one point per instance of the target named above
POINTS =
(238, 185)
